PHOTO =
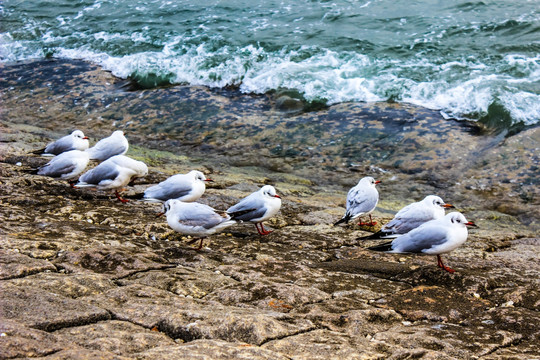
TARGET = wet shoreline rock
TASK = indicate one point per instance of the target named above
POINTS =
(84, 276)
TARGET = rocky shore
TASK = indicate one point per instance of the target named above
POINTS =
(84, 276)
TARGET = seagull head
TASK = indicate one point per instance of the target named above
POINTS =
(79, 134)
(369, 181)
(198, 175)
(168, 206)
(269, 191)
(437, 201)
(458, 219)
(140, 168)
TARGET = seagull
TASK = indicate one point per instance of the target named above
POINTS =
(74, 141)
(114, 173)
(412, 216)
(116, 144)
(361, 200)
(67, 166)
(257, 207)
(185, 187)
(195, 219)
(434, 237)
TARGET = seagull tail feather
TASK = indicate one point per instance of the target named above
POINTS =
(345, 219)
(38, 152)
(382, 247)
(138, 196)
(377, 235)
(31, 171)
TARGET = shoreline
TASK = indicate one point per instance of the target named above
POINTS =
(397, 142)
(83, 275)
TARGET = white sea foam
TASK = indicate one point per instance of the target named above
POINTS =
(524, 107)
(87, 9)
(459, 88)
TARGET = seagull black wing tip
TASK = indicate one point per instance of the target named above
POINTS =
(382, 247)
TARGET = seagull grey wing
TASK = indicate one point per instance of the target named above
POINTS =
(57, 168)
(421, 239)
(200, 215)
(410, 219)
(102, 172)
(404, 227)
(249, 202)
(361, 201)
(168, 190)
(59, 146)
(107, 148)
(213, 221)
(253, 203)
(247, 214)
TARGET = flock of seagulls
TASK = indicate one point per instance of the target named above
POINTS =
(421, 227)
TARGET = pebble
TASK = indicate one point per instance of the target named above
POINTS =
(508, 304)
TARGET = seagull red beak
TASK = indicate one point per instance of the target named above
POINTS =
(449, 206)
(277, 196)
(209, 180)
(377, 181)
(470, 223)
(86, 138)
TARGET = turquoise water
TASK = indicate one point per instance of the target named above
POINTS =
(475, 60)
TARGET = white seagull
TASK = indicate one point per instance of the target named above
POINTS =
(116, 144)
(113, 174)
(434, 237)
(361, 200)
(67, 166)
(412, 216)
(185, 187)
(195, 219)
(257, 207)
(74, 141)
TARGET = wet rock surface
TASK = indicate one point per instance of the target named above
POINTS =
(85, 276)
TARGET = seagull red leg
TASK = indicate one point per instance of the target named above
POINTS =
(119, 197)
(370, 223)
(262, 231)
(444, 267)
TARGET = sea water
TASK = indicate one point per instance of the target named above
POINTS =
(476, 60)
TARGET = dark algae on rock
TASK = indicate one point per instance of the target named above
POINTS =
(85, 276)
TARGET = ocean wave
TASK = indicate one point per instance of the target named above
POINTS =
(462, 88)
(470, 60)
